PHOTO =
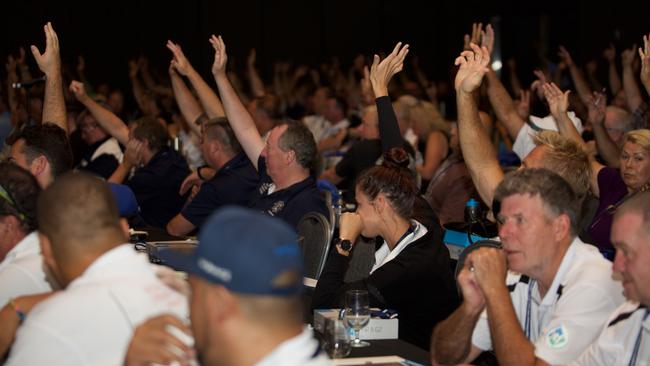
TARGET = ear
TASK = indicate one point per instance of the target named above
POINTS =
(39, 165)
(380, 203)
(221, 302)
(48, 257)
(289, 157)
(561, 227)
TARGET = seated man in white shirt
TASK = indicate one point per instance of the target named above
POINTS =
(245, 306)
(545, 296)
(625, 340)
(21, 270)
(109, 288)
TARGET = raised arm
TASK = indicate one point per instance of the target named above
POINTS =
(558, 103)
(50, 63)
(107, 119)
(189, 106)
(241, 121)
(136, 85)
(478, 151)
(614, 78)
(582, 87)
(256, 84)
(644, 53)
(630, 86)
(380, 75)
(209, 99)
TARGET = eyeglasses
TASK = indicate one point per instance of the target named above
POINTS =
(7, 197)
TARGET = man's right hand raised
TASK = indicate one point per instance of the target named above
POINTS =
(220, 56)
(473, 66)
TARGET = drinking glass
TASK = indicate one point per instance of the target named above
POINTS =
(337, 338)
(357, 313)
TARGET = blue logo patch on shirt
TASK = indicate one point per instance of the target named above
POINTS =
(558, 337)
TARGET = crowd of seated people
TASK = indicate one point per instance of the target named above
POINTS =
(237, 162)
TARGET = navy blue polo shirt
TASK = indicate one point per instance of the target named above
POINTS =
(156, 187)
(233, 184)
(291, 203)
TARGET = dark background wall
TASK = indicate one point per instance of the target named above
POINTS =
(108, 33)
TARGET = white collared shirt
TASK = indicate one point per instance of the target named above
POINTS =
(384, 255)
(301, 350)
(91, 322)
(21, 272)
(573, 311)
(617, 341)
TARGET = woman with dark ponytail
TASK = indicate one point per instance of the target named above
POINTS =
(412, 272)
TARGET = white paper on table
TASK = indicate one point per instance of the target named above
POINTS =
(366, 360)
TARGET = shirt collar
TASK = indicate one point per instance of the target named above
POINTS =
(121, 261)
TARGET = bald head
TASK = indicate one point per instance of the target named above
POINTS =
(79, 211)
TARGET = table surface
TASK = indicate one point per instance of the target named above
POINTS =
(390, 347)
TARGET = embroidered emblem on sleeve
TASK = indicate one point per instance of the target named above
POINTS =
(558, 337)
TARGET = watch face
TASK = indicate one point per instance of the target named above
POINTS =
(345, 245)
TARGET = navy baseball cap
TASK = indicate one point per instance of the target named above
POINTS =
(247, 252)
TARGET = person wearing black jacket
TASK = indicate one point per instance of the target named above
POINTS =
(412, 272)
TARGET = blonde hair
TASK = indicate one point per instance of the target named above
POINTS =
(428, 119)
(640, 137)
(566, 158)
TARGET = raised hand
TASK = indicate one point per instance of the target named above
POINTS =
(382, 72)
(610, 53)
(81, 64)
(252, 56)
(596, 104)
(179, 62)
(487, 38)
(220, 56)
(644, 53)
(473, 66)
(366, 87)
(79, 90)
(21, 57)
(627, 56)
(11, 65)
(49, 61)
(565, 56)
(134, 68)
(477, 30)
(558, 102)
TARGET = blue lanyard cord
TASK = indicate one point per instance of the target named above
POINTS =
(637, 344)
(528, 309)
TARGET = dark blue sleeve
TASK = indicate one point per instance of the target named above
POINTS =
(205, 203)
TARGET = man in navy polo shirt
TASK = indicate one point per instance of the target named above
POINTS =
(287, 188)
(234, 182)
(159, 172)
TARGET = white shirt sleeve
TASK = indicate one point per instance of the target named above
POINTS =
(59, 350)
(17, 281)
(481, 335)
(524, 144)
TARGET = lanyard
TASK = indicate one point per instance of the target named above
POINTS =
(637, 344)
(528, 309)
